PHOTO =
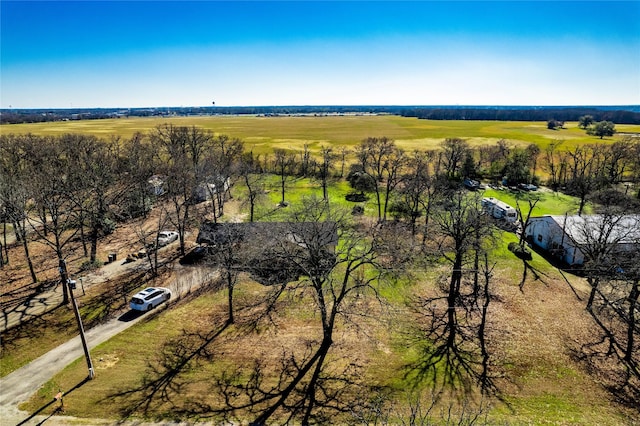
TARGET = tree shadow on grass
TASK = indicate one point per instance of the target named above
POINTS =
(558, 264)
(304, 385)
(451, 358)
(603, 358)
(32, 329)
(161, 381)
(537, 274)
(57, 410)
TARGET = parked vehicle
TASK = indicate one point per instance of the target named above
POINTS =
(471, 184)
(499, 209)
(166, 237)
(149, 298)
(527, 187)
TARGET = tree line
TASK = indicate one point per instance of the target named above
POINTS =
(616, 114)
(621, 116)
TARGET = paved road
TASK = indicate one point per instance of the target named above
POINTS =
(18, 386)
(51, 298)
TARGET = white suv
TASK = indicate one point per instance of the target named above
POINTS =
(166, 237)
(149, 298)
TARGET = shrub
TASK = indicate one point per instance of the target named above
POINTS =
(520, 251)
(90, 266)
(356, 197)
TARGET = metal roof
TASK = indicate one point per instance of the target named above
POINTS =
(587, 229)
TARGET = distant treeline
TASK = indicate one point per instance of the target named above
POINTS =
(616, 114)
(513, 114)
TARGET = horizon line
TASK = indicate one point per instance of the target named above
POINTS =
(10, 108)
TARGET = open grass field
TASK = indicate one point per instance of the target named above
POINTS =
(263, 134)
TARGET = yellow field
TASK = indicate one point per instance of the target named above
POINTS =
(262, 134)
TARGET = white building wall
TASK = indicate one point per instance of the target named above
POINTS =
(548, 235)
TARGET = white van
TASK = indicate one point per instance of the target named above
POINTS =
(149, 298)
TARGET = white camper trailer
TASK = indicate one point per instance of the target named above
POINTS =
(499, 209)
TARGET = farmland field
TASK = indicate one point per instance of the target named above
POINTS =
(263, 134)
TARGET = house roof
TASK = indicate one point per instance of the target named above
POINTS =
(275, 252)
(587, 229)
(320, 233)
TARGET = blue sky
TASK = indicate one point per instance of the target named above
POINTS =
(57, 54)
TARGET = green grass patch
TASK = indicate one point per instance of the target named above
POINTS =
(551, 203)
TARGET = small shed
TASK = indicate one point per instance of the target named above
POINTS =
(205, 190)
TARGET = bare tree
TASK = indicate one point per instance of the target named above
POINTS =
(253, 180)
(148, 237)
(455, 329)
(221, 164)
(531, 200)
(617, 159)
(454, 150)
(181, 149)
(98, 187)
(141, 160)
(332, 258)
(14, 191)
(284, 163)
(228, 250)
(599, 237)
(585, 172)
(550, 162)
(634, 165)
(383, 161)
(327, 163)
(344, 151)
(493, 158)
(305, 161)
(418, 188)
(615, 293)
(633, 280)
(533, 152)
(50, 187)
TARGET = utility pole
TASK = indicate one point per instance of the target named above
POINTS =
(72, 285)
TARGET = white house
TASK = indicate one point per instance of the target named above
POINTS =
(563, 236)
